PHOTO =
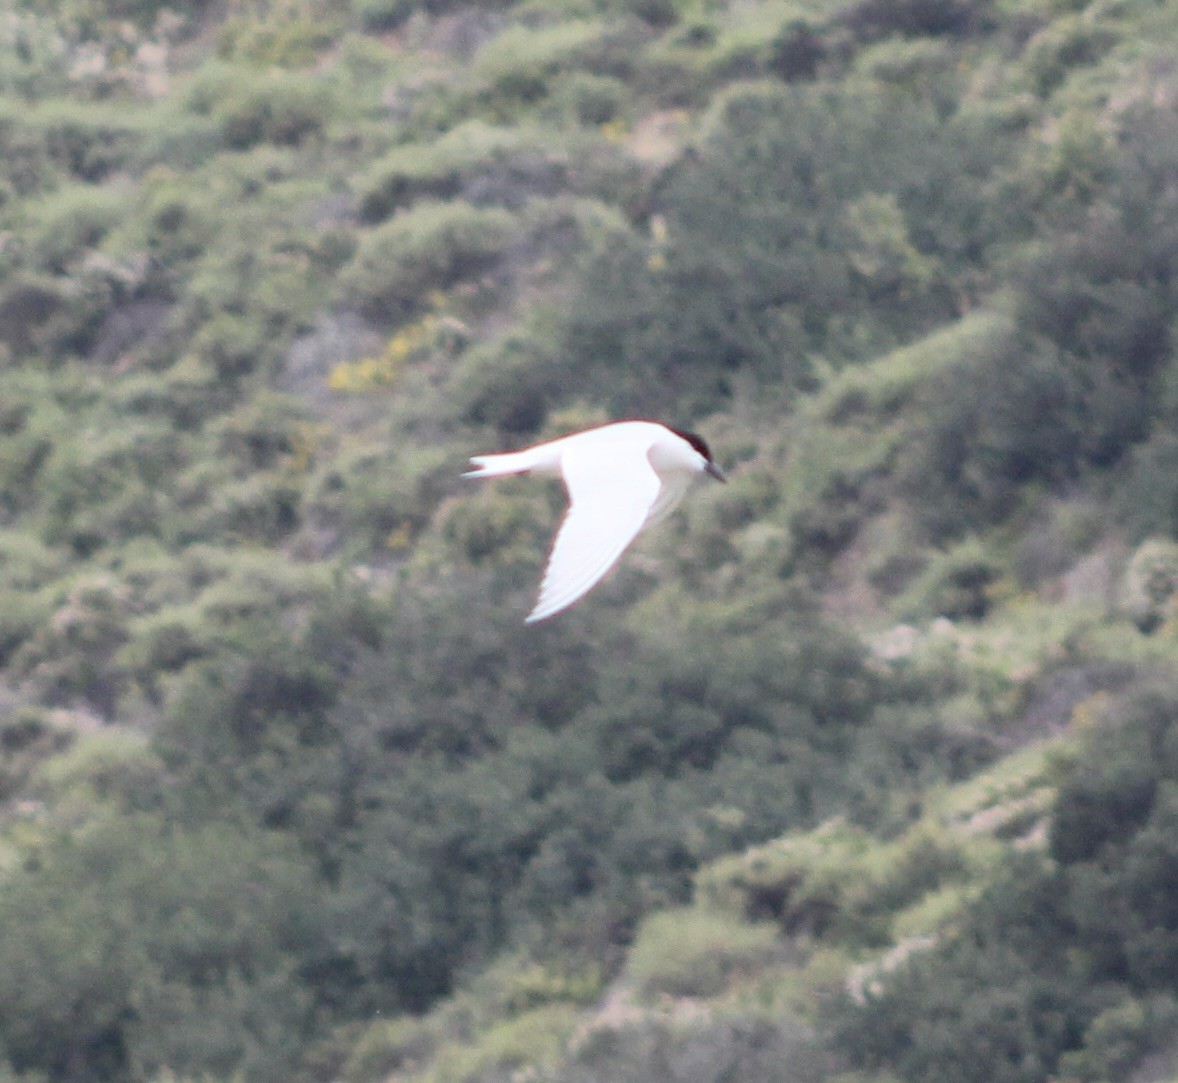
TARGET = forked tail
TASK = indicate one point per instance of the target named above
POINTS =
(493, 466)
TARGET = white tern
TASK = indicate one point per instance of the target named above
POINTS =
(620, 478)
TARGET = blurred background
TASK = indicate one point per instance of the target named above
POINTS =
(860, 769)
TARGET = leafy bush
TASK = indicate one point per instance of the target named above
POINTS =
(1150, 582)
(1121, 1037)
(87, 142)
(835, 883)
(871, 19)
(753, 267)
(541, 983)
(293, 38)
(1068, 42)
(590, 99)
(22, 614)
(71, 657)
(695, 952)
(72, 221)
(376, 497)
(100, 489)
(129, 952)
(531, 1042)
(33, 308)
(1083, 376)
(434, 246)
(93, 14)
(959, 585)
(1023, 1008)
(1149, 497)
(708, 1048)
(100, 772)
(1054, 955)
(380, 15)
(254, 107)
(387, 1045)
(466, 161)
(28, 738)
(520, 61)
(1002, 420)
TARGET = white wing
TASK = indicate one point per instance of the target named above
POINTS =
(674, 488)
(611, 493)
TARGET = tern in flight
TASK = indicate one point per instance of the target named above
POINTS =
(620, 478)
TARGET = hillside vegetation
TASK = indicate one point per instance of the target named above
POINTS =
(861, 769)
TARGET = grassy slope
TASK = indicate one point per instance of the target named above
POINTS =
(271, 275)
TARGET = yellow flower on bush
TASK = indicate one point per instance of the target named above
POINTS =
(372, 373)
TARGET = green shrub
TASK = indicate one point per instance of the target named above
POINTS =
(993, 1001)
(22, 614)
(92, 15)
(113, 767)
(1121, 1037)
(706, 1048)
(234, 345)
(70, 222)
(508, 383)
(184, 394)
(403, 176)
(489, 164)
(285, 112)
(386, 1046)
(1008, 416)
(873, 19)
(1063, 960)
(32, 308)
(129, 954)
(377, 496)
(1148, 501)
(590, 99)
(70, 657)
(834, 882)
(1150, 583)
(548, 984)
(255, 107)
(26, 563)
(99, 488)
(33, 68)
(264, 507)
(758, 269)
(434, 246)
(175, 221)
(499, 526)
(529, 1042)
(379, 15)
(291, 37)
(29, 737)
(1068, 42)
(797, 51)
(696, 952)
(960, 584)
(160, 644)
(88, 141)
(520, 61)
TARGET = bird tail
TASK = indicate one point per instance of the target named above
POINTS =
(493, 466)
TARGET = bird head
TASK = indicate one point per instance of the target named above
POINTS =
(699, 445)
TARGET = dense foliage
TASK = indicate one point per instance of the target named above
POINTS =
(862, 763)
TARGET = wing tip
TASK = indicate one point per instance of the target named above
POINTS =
(543, 609)
(549, 604)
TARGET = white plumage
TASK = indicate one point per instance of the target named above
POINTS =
(620, 478)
